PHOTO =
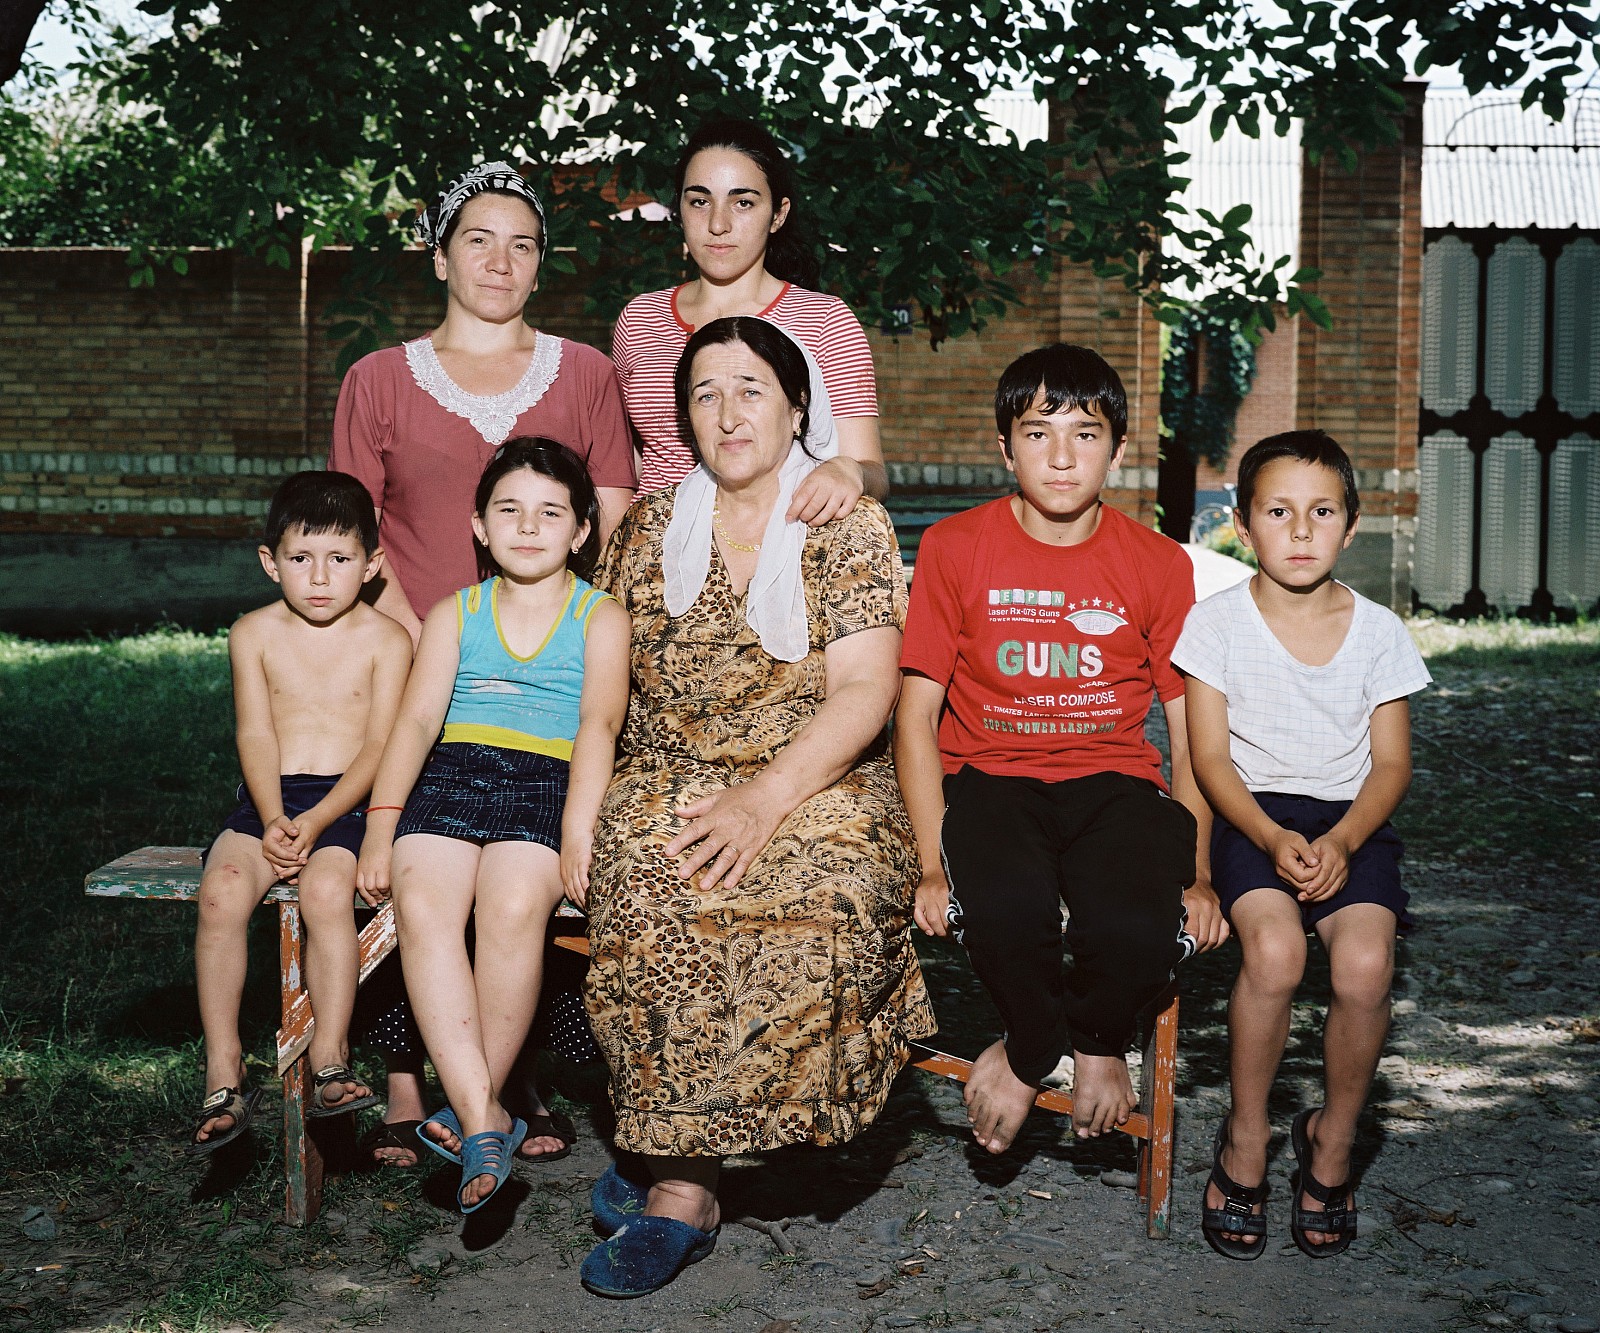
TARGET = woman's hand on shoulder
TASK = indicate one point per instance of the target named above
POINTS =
(829, 492)
(732, 826)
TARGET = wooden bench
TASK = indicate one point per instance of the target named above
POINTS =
(1151, 1124)
(172, 874)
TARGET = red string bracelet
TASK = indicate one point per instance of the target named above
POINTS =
(371, 808)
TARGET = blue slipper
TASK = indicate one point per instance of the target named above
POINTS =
(644, 1255)
(447, 1118)
(616, 1201)
(490, 1153)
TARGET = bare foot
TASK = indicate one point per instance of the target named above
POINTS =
(1330, 1165)
(403, 1103)
(443, 1135)
(997, 1100)
(1244, 1161)
(686, 1202)
(1102, 1094)
(536, 1146)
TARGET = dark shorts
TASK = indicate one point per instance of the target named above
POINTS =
(1238, 865)
(301, 791)
(483, 793)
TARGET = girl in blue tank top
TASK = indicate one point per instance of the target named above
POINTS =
(509, 720)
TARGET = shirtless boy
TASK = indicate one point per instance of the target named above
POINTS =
(1041, 627)
(317, 679)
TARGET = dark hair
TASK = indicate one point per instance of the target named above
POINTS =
(1068, 376)
(767, 341)
(455, 218)
(791, 254)
(322, 502)
(1304, 446)
(559, 463)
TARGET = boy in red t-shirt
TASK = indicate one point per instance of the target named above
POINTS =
(1040, 631)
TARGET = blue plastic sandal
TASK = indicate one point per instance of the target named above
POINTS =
(615, 1201)
(490, 1153)
(644, 1255)
(446, 1117)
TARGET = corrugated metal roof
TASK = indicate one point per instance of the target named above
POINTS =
(1236, 169)
(1487, 162)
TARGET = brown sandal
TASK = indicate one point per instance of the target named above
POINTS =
(320, 1108)
(240, 1103)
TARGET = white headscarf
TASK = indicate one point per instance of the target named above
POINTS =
(775, 602)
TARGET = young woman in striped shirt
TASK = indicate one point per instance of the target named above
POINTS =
(736, 198)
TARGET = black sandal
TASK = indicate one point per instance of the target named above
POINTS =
(1336, 1221)
(1237, 1216)
(391, 1135)
(549, 1125)
(238, 1102)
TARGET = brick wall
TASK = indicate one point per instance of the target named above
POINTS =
(175, 411)
(1268, 408)
(1360, 380)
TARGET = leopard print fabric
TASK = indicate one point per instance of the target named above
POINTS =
(779, 1012)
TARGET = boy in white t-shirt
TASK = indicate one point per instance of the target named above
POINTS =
(1300, 733)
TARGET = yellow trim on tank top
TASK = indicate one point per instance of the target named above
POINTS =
(478, 733)
(494, 610)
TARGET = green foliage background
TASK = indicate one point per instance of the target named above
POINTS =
(259, 125)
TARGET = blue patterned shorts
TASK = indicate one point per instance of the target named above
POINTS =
(483, 793)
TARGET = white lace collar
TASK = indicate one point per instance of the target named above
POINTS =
(493, 417)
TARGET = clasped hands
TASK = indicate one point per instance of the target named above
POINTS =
(1318, 870)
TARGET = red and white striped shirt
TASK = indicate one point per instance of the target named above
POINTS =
(650, 336)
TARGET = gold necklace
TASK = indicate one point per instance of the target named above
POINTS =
(716, 522)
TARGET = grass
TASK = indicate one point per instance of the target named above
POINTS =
(116, 744)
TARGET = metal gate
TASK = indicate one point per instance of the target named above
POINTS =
(1509, 447)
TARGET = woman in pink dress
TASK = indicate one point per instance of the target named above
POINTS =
(417, 423)
(736, 197)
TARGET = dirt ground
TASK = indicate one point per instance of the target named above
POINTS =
(1478, 1160)
(1480, 1177)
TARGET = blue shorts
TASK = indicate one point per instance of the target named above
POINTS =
(301, 791)
(1238, 865)
(484, 793)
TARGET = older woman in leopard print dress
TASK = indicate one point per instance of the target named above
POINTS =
(752, 981)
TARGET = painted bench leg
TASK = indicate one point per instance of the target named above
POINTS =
(302, 1157)
(1157, 1100)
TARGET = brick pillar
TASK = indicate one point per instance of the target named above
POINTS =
(1359, 381)
(1105, 315)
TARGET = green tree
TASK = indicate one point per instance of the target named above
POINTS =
(336, 116)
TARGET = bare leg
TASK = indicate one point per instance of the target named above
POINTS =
(473, 1019)
(1360, 944)
(1272, 944)
(327, 892)
(519, 888)
(403, 1080)
(997, 1100)
(1102, 1094)
(433, 888)
(236, 879)
(686, 1189)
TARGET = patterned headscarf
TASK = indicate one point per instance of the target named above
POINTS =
(432, 223)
